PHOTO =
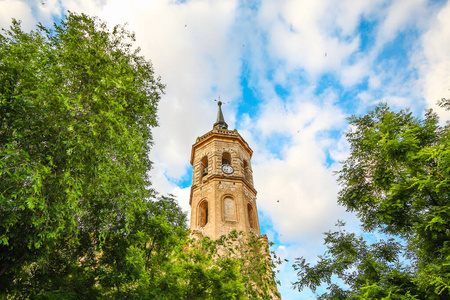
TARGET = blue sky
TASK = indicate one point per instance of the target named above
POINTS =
(290, 72)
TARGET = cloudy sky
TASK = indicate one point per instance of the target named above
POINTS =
(289, 73)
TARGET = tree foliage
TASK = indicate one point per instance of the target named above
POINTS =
(256, 263)
(77, 105)
(235, 266)
(397, 181)
(370, 270)
(78, 217)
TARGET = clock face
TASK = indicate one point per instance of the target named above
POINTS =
(227, 169)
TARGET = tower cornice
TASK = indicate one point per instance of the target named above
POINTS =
(223, 134)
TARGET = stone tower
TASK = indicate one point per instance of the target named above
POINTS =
(222, 194)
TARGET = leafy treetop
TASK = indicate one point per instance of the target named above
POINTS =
(397, 180)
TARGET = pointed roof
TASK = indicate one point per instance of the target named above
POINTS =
(220, 123)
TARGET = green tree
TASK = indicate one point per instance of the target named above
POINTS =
(77, 105)
(397, 181)
(235, 266)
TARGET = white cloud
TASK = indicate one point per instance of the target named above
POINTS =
(298, 189)
(18, 10)
(188, 45)
(181, 194)
(392, 18)
(323, 37)
(398, 16)
(353, 74)
(374, 82)
(340, 151)
(349, 12)
(29, 12)
(301, 35)
(435, 70)
(92, 7)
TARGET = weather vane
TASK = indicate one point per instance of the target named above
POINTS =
(219, 101)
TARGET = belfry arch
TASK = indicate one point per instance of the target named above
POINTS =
(204, 166)
(226, 158)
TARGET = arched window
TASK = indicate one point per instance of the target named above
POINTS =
(251, 216)
(229, 209)
(226, 158)
(203, 214)
(204, 166)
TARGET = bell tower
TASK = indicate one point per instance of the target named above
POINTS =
(222, 194)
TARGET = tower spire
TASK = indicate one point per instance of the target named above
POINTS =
(220, 123)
